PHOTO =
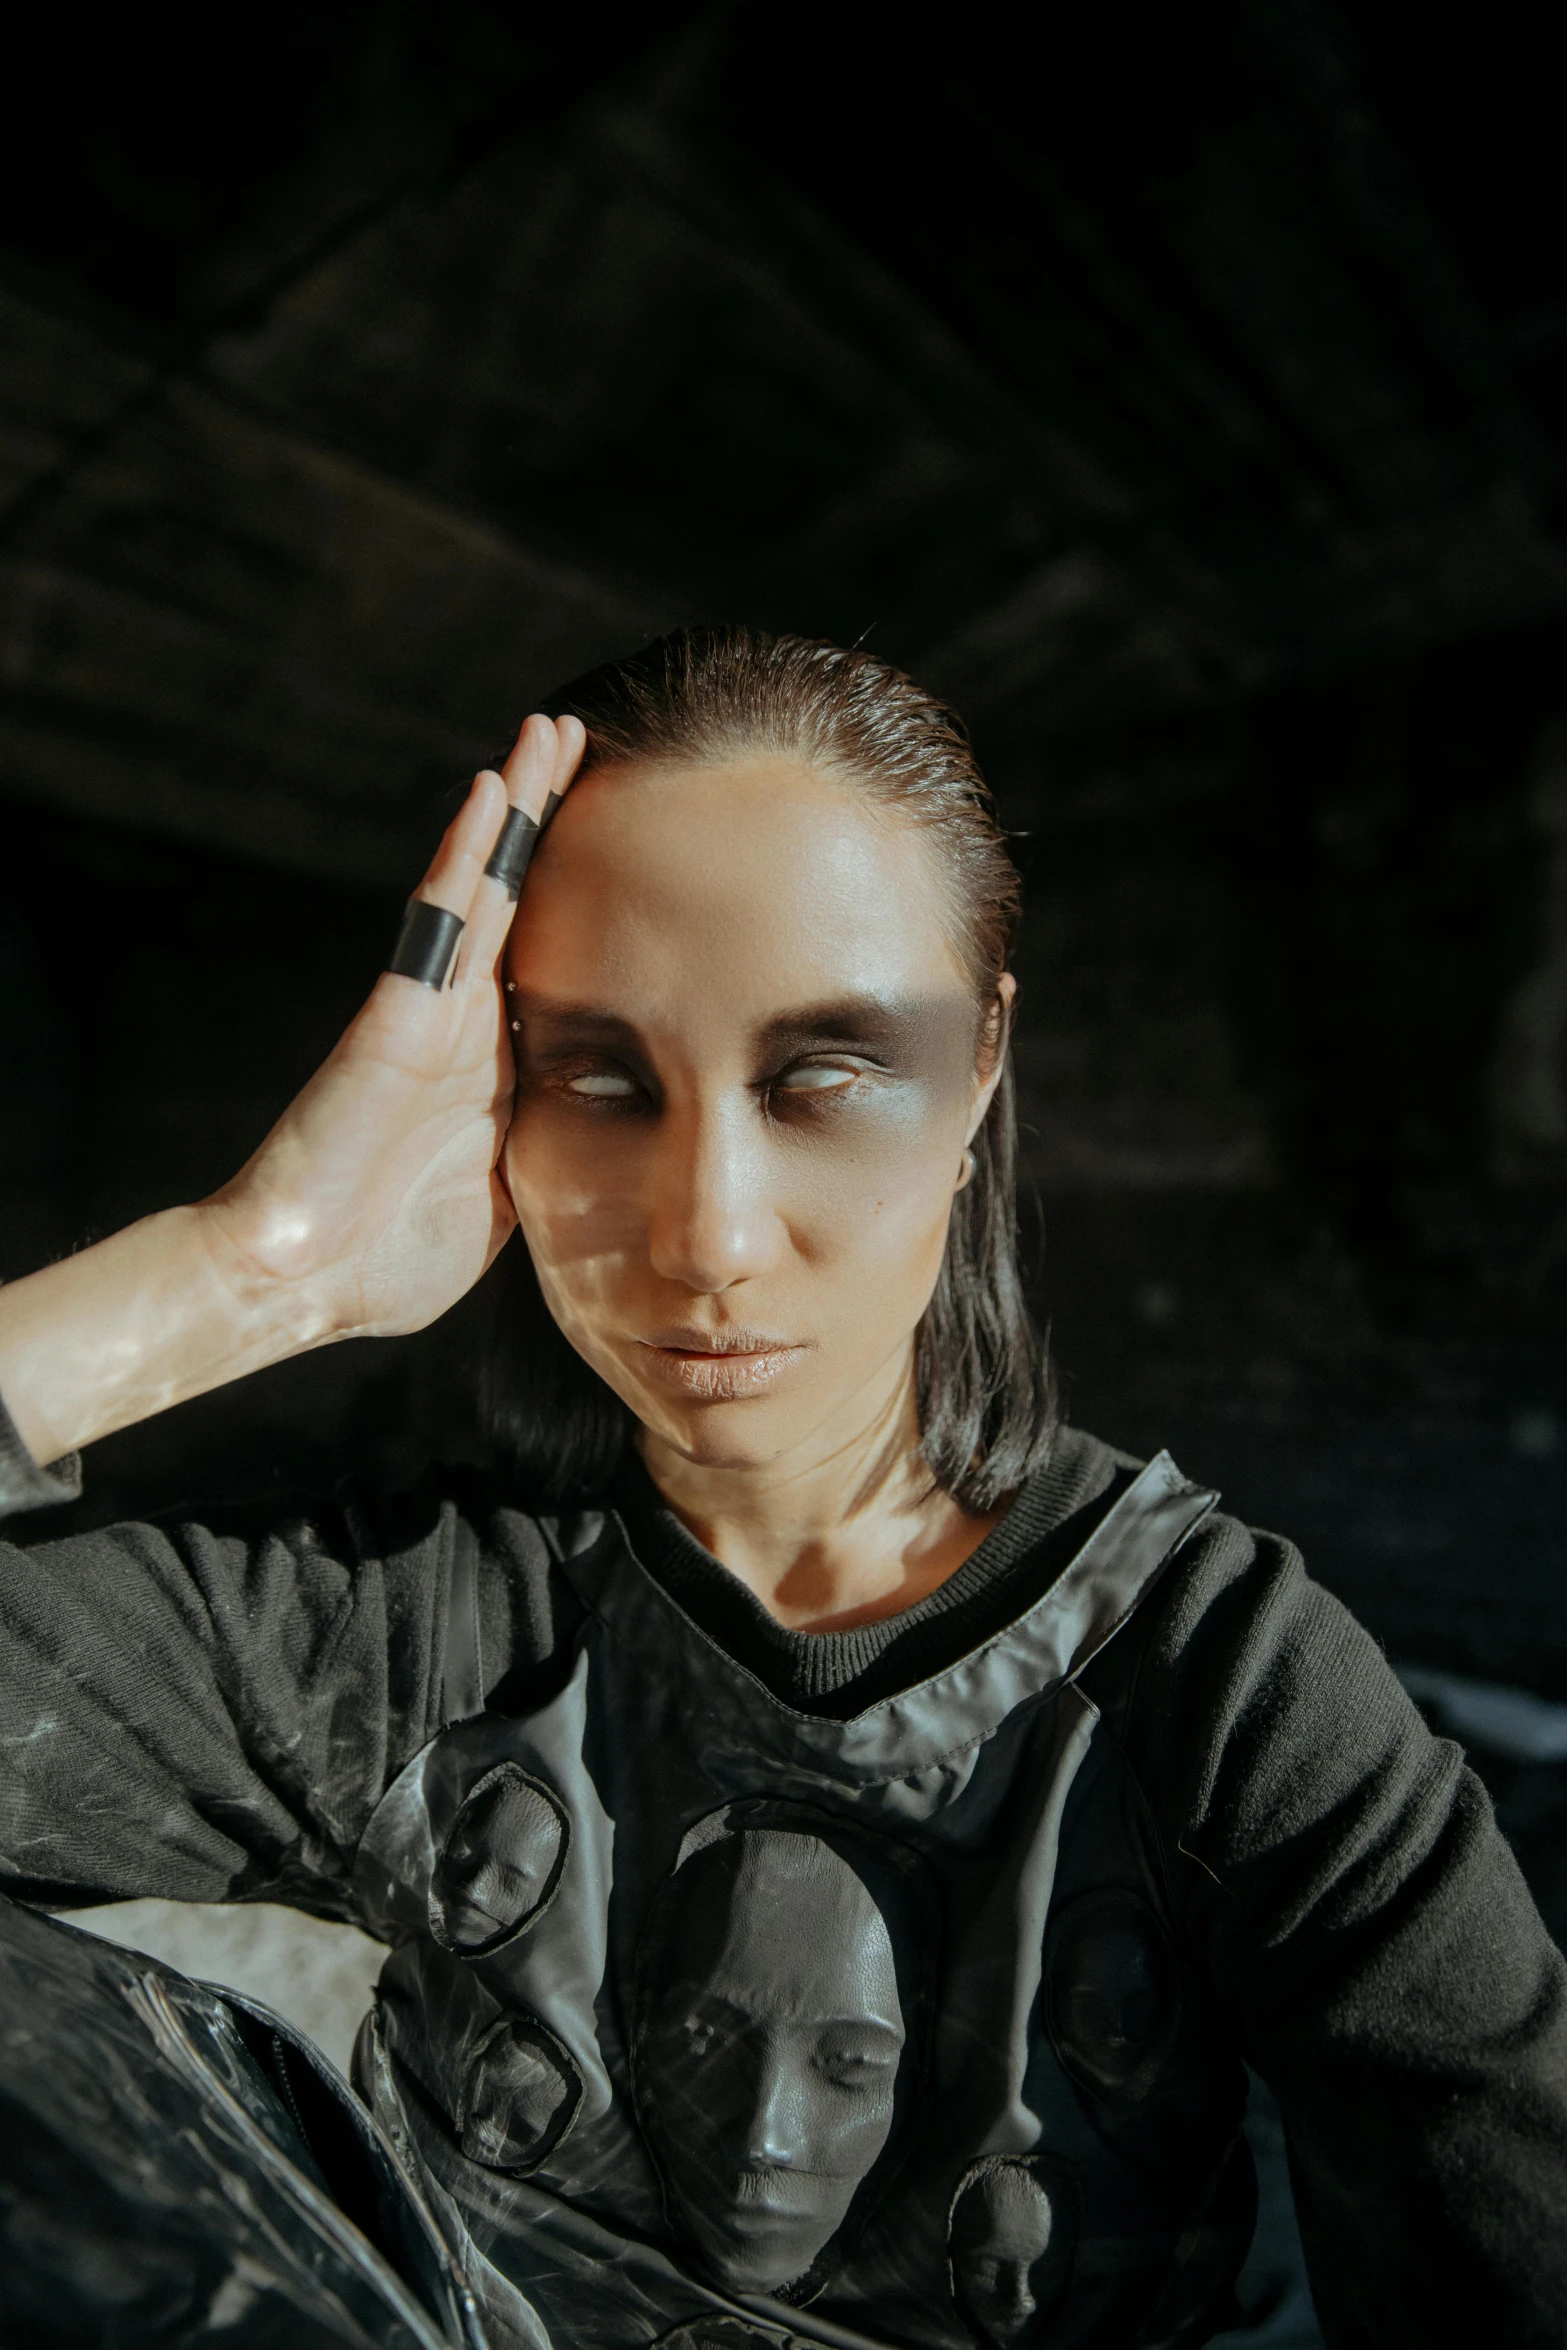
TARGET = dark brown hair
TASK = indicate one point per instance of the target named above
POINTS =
(704, 695)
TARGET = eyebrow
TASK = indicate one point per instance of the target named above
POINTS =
(594, 1018)
(867, 1020)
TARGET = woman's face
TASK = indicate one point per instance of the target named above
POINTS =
(748, 1066)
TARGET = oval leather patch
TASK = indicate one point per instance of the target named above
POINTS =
(1112, 1992)
(500, 1864)
(519, 2096)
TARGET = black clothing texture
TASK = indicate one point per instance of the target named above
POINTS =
(214, 1711)
(178, 2165)
(838, 2019)
(837, 1673)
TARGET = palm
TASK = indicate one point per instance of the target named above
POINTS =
(378, 1187)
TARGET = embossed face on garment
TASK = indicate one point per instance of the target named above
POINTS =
(499, 1865)
(1012, 2240)
(1112, 1993)
(773, 2024)
(726, 2333)
(519, 2096)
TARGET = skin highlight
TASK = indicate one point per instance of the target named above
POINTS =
(749, 1063)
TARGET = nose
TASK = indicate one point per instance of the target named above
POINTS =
(712, 1221)
(775, 2130)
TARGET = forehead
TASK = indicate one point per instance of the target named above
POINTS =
(747, 882)
(781, 1924)
(803, 1926)
(1007, 2214)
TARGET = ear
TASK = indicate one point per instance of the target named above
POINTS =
(994, 1035)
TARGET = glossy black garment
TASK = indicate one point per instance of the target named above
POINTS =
(179, 2165)
(991, 1948)
(707, 2007)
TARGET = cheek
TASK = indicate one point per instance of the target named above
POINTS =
(577, 1184)
(850, 2132)
(879, 1188)
(579, 1226)
(867, 1187)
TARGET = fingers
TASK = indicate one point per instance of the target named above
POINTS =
(542, 763)
(471, 887)
(438, 910)
(537, 776)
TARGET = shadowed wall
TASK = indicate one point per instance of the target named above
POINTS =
(1188, 398)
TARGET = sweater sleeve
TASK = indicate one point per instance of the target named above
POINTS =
(26, 1486)
(210, 1711)
(1344, 1889)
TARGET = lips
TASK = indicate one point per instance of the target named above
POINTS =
(766, 2229)
(717, 1366)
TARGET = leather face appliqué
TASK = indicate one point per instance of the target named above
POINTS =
(783, 1986)
(519, 2096)
(726, 2333)
(1112, 1993)
(1011, 2246)
(500, 1864)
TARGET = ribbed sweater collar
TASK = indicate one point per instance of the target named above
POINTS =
(837, 1674)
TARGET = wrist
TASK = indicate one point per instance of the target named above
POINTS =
(271, 1304)
(167, 1309)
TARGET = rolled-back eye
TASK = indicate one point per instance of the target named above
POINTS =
(500, 1864)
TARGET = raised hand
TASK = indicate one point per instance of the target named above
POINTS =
(370, 1208)
(377, 1191)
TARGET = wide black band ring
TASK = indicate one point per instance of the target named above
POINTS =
(426, 944)
(513, 852)
(514, 849)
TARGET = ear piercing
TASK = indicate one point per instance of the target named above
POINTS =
(966, 1172)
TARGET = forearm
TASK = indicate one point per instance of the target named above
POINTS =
(164, 1310)
(370, 1208)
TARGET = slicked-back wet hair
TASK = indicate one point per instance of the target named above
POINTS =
(701, 697)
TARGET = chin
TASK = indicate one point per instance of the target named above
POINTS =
(768, 2239)
(725, 1435)
(741, 2262)
(706, 1439)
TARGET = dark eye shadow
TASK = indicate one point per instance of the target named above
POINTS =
(930, 1038)
(923, 1033)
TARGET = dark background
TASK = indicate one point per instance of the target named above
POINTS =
(1184, 391)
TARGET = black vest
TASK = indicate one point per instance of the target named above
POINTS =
(721, 2025)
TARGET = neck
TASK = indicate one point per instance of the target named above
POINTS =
(844, 1530)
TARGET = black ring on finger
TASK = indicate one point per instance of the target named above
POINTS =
(512, 852)
(426, 944)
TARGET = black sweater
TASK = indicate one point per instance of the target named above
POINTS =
(211, 1711)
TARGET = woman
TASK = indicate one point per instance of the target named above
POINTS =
(839, 1832)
